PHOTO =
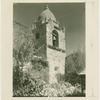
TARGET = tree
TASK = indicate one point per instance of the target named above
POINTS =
(75, 64)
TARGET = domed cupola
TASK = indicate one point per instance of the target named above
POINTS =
(46, 15)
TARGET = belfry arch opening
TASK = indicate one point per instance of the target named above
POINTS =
(55, 38)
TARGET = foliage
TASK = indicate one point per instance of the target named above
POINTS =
(29, 72)
(75, 62)
(17, 77)
(39, 63)
(23, 43)
(28, 85)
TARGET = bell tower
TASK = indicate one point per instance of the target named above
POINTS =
(50, 43)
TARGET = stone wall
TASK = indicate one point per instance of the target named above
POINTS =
(55, 56)
(40, 43)
(49, 28)
(56, 60)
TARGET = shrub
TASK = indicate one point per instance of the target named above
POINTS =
(37, 87)
(31, 82)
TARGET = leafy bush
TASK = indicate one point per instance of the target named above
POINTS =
(37, 87)
(75, 62)
(31, 82)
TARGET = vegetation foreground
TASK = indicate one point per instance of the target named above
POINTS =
(25, 83)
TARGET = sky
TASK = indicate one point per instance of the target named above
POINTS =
(70, 15)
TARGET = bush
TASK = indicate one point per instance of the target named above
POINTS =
(38, 87)
(31, 82)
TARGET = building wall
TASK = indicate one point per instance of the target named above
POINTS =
(40, 43)
(55, 57)
(49, 28)
(61, 40)
(44, 45)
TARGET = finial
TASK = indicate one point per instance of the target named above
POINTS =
(46, 6)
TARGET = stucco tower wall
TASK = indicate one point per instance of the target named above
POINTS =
(41, 41)
(55, 57)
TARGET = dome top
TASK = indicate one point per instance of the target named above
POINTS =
(47, 14)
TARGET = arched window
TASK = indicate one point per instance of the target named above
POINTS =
(55, 38)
